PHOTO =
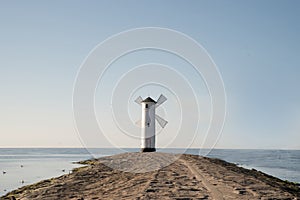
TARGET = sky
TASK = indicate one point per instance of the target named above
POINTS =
(255, 45)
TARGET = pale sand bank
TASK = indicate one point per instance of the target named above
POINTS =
(174, 177)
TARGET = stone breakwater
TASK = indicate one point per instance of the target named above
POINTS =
(159, 176)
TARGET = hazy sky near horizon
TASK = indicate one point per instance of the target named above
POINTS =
(255, 45)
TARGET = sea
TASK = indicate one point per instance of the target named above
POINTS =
(23, 166)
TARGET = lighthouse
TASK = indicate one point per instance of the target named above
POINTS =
(148, 122)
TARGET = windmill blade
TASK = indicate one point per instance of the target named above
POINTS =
(161, 121)
(139, 100)
(160, 100)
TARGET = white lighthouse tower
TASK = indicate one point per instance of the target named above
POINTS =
(148, 121)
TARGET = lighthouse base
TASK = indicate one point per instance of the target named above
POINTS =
(148, 150)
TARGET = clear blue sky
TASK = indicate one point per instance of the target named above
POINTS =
(255, 44)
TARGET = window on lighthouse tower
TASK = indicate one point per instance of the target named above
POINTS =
(146, 106)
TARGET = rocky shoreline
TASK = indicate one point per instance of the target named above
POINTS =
(159, 176)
